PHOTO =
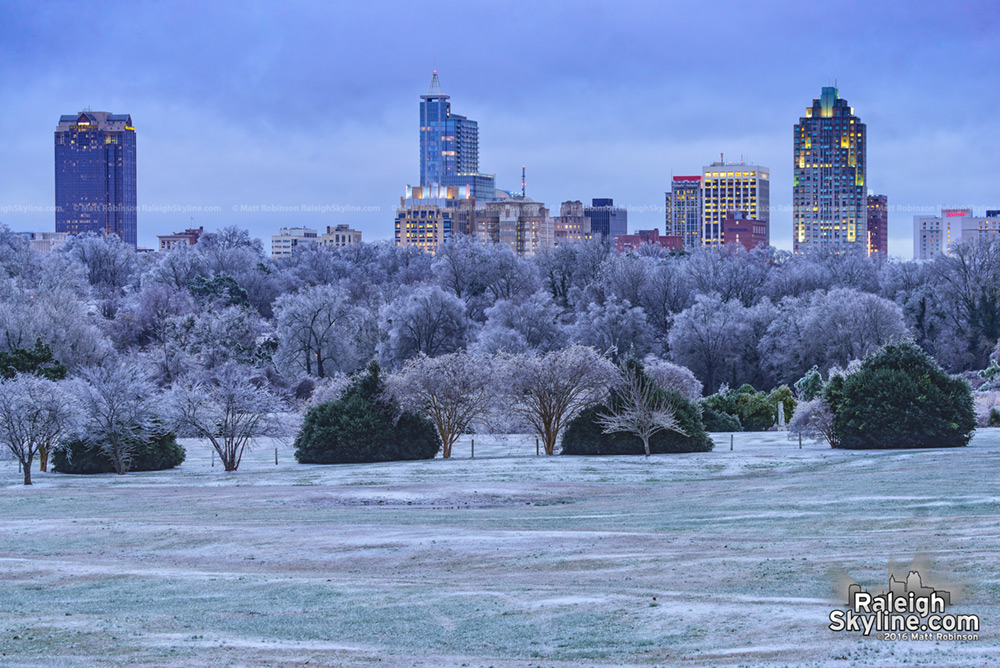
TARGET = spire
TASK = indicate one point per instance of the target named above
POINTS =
(435, 87)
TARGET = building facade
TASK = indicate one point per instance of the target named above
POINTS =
(188, 237)
(449, 146)
(339, 236)
(878, 225)
(44, 242)
(289, 238)
(96, 175)
(935, 235)
(829, 195)
(750, 233)
(683, 207)
(730, 187)
(629, 242)
(571, 225)
(429, 216)
(607, 221)
(520, 222)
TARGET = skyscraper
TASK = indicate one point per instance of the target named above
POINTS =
(95, 174)
(733, 187)
(829, 197)
(684, 210)
(607, 221)
(449, 146)
(878, 225)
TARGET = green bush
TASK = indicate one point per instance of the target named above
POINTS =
(994, 419)
(783, 394)
(717, 421)
(361, 426)
(754, 409)
(584, 436)
(900, 398)
(157, 454)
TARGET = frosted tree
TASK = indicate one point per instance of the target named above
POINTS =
(110, 263)
(673, 377)
(532, 324)
(813, 419)
(453, 390)
(229, 408)
(428, 320)
(119, 407)
(549, 390)
(639, 407)
(707, 338)
(615, 327)
(317, 332)
(36, 416)
(730, 272)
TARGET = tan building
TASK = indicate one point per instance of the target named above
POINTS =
(520, 222)
(571, 225)
(188, 237)
(429, 216)
(44, 242)
(340, 236)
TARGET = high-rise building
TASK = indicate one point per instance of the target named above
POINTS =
(829, 197)
(730, 187)
(683, 205)
(95, 174)
(429, 216)
(449, 146)
(519, 222)
(933, 235)
(607, 221)
(571, 226)
(878, 225)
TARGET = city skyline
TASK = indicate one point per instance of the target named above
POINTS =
(277, 128)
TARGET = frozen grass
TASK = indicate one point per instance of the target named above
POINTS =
(721, 558)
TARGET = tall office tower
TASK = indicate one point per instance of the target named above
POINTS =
(829, 198)
(733, 187)
(95, 174)
(878, 225)
(684, 210)
(449, 146)
(607, 221)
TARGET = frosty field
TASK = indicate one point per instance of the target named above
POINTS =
(721, 558)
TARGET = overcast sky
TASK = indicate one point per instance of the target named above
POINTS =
(316, 104)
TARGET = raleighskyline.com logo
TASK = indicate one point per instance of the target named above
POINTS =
(907, 611)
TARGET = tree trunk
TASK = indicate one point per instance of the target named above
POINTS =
(645, 444)
(43, 459)
(26, 466)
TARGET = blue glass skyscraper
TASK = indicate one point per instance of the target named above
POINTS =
(449, 146)
(96, 175)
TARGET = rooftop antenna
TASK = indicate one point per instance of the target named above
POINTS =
(522, 181)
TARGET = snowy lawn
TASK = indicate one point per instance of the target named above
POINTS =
(721, 558)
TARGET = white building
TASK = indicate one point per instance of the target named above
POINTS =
(937, 234)
(288, 238)
(44, 242)
(340, 236)
(733, 187)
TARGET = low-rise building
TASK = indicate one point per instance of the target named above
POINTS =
(44, 242)
(630, 242)
(571, 225)
(428, 216)
(751, 233)
(340, 236)
(289, 238)
(520, 222)
(188, 237)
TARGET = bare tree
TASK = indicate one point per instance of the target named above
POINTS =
(640, 408)
(229, 409)
(119, 409)
(551, 389)
(452, 390)
(813, 419)
(36, 415)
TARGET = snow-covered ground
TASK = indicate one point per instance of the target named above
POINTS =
(726, 558)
